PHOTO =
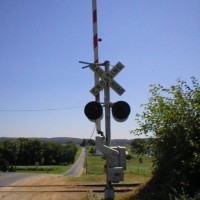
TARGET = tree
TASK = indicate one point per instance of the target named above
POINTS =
(86, 142)
(10, 151)
(93, 150)
(173, 117)
(83, 144)
(91, 142)
(139, 146)
(4, 164)
(28, 152)
(71, 149)
(24, 157)
(49, 153)
(55, 153)
(35, 151)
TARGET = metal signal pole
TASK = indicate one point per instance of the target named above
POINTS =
(109, 192)
(107, 107)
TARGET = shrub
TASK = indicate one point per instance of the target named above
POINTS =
(173, 116)
(4, 165)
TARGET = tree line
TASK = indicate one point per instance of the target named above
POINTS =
(24, 151)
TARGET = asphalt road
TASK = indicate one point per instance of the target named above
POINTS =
(9, 178)
(77, 168)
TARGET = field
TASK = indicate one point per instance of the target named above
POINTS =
(136, 166)
(137, 171)
(140, 165)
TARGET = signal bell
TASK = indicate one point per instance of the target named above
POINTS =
(121, 111)
(93, 111)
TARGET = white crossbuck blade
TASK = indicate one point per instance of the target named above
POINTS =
(107, 79)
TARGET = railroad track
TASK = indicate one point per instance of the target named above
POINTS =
(95, 188)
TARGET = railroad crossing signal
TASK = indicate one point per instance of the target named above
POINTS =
(107, 79)
(93, 111)
(121, 111)
(115, 156)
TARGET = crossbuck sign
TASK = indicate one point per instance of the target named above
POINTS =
(107, 79)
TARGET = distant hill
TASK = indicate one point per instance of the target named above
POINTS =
(61, 140)
(64, 140)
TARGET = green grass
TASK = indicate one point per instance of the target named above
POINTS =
(136, 171)
(138, 168)
(52, 169)
(95, 165)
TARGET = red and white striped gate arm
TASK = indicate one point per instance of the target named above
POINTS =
(95, 39)
(95, 47)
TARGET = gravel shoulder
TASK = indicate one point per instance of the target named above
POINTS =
(10, 178)
(47, 187)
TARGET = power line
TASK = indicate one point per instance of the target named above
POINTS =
(39, 110)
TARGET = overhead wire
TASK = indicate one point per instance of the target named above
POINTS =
(39, 110)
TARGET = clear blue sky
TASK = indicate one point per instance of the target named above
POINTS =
(41, 43)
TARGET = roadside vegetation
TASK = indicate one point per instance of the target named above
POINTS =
(172, 115)
(51, 169)
(33, 155)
